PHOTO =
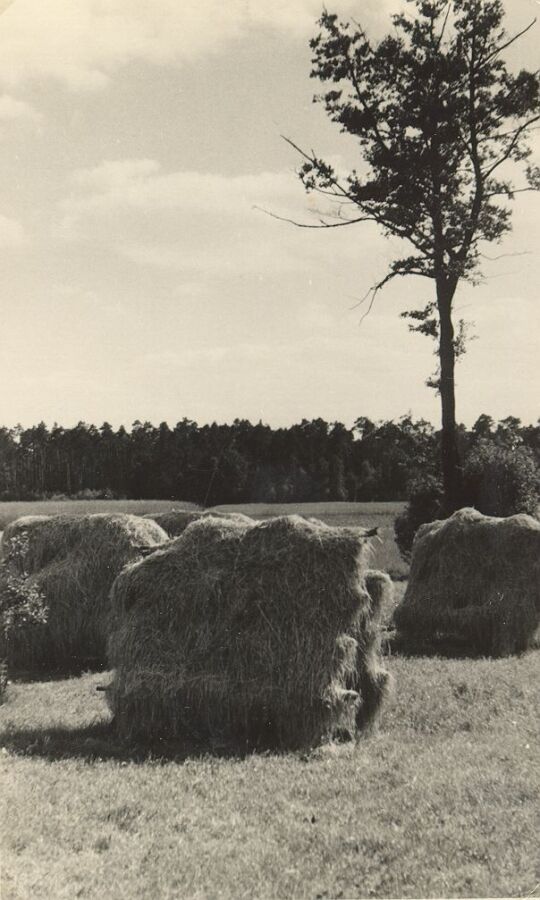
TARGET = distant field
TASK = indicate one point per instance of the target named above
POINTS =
(370, 515)
(14, 509)
(441, 803)
(386, 555)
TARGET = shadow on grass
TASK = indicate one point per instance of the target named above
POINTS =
(444, 646)
(29, 676)
(100, 743)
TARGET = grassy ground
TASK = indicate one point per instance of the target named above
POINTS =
(441, 803)
(381, 515)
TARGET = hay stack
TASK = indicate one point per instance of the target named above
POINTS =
(175, 521)
(475, 578)
(258, 634)
(380, 587)
(68, 563)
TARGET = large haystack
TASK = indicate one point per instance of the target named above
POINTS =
(475, 578)
(175, 521)
(248, 634)
(67, 564)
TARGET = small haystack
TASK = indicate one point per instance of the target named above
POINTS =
(475, 578)
(257, 634)
(65, 565)
(175, 521)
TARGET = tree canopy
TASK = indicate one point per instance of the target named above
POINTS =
(239, 462)
(442, 125)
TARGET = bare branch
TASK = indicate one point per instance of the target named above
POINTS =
(322, 223)
(505, 134)
(448, 10)
(504, 255)
(508, 43)
(510, 191)
(375, 290)
(510, 147)
(362, 301)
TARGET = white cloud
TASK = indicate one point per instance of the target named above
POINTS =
(12, 109)
(236, 255)
(139, 184)
(11, 233)
(194, 222)
(81, 42)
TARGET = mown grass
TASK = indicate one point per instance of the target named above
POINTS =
(442, 802)
(369, 515)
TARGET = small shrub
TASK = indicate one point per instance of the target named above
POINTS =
(500, 481)
(22, 603)
(497, 481)
(425, 505)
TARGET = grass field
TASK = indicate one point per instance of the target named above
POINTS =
(10, 510)
(381, 515)
(442, 802)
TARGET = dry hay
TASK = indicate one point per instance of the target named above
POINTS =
(175, 521)
(247, 634)
(67, 564)
(475, 578)
(380, 587)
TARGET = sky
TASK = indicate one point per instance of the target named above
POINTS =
(140, 140)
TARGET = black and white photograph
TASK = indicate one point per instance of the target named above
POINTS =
(269, 449)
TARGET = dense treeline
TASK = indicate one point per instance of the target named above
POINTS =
(212, 464)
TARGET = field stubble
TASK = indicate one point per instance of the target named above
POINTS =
(440, 803)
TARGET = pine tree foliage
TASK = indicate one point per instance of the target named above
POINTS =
(443, 127)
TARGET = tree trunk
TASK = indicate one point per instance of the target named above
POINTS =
(451, 467)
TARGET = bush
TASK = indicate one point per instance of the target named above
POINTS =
(500, 481)
(22, 604)
(497, 481)
(425, 505)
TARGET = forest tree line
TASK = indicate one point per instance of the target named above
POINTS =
(241, 462)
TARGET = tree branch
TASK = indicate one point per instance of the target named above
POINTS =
(510, 191)
(448, 10)
(363, 103)
(476, 205)
(322, 223)
(507, 44)
(313, 161)
(371, 214)
(511, 146)
(504, 255)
